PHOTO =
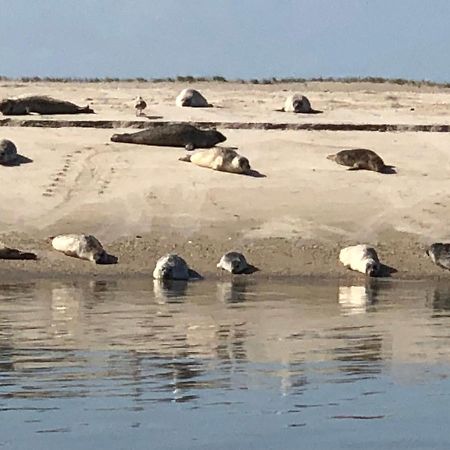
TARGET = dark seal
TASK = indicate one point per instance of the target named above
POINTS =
(40, 104)
(359, 158)
(173, 135)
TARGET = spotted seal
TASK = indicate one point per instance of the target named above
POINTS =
(83, 246)
(221, 159)
(13, 253)
(297, 103)
(361, 258)
(40, 104)
(233, 262)
(359, 158)
(8, 152)
(171, 267)
(440, 254)
(192, 98)
(173, 135)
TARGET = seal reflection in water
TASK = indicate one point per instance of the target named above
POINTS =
(361, 258)
(83, 246)
(173, 135)
(171, 267)
(192, 98)
(359, 158)
(221, 159)
(440, 254)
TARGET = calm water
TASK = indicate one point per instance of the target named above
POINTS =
(132, 365)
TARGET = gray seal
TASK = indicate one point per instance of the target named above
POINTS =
(173, 135)
(440, 254)
(8, 152)
(233, 262)
(13, 253)
(298, 104)
(192, 98)
(40, 104)
(171, 267)
(360, 158)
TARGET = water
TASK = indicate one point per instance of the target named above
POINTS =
(130, 365)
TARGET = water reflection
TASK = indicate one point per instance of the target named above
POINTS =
(272, 355)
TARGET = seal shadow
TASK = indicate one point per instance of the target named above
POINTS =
(249, 270)
(385, 271)
(151, 117)
(312, 111)
(108, 259)
(255, 174)
(389, 170)
(18, 161)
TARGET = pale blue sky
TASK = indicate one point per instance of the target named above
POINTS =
(233, 38)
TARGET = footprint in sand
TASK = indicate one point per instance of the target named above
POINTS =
(106, 181)
(58, 179)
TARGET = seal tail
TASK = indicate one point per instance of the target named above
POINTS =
(332, 157)
(186, 158)
(86, 110)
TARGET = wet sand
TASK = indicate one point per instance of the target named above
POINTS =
(142, 202)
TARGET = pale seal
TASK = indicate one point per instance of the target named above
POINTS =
(13, 253)
(40, 104)
(360, 158)
(361, 258)
(8, 152)
(173, 135)
(221, 159)
(440, 254)
(192, 98)
(297, 103)
(233, 262)
(83, 246)
(171, 267)
(140, 105)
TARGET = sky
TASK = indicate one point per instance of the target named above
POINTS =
(232, 38)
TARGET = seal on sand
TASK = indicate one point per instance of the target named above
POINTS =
(221, 159)
(361, 258)
(173, 135)
(440, 254)
(171, 267)
(233, 262)
(40, 104)
(192, 98)
(359, 158)
(8, 152)
(13, 253)
(298, 104)
(83, 246)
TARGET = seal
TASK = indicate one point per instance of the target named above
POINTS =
(297, 103)
(140, 105)
(8, 152)
(173, 135)
(361, 258)
(440, 254)
(221, 159)
(13, 253)
(83, 246)
(192, 98)
(233, 262)
(40, 104)
(359, 158)
(171, 267)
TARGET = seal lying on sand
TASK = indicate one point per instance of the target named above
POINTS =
(172, 267)
(361, 258)
(192, 98)
(173, 135)
(298, 104)
(13, 253)
(83, 246)
(359, 158)
(40, 104)
(233, 262)
(440, 254)
(219, 158)
(8, 152)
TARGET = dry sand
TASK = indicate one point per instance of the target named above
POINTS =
(141, 202)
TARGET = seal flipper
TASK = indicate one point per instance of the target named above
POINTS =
(332, 157)
(356, 166)
(186, 158)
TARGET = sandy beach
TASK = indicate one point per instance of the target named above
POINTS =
(141, 202)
